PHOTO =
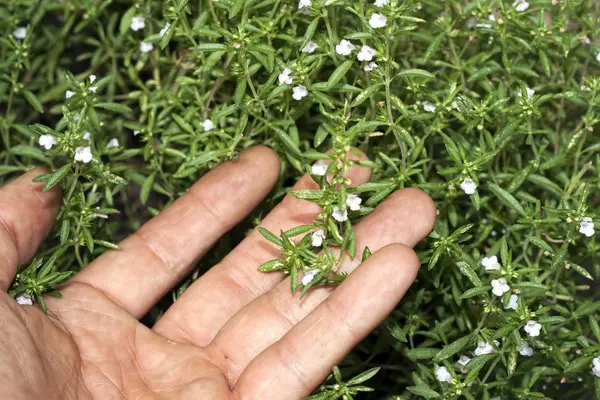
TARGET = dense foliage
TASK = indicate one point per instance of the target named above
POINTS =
(489, 106)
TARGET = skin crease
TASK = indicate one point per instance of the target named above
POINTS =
(235, 334)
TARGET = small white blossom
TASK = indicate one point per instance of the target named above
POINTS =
(443, 375)
(304, 4)
(454, 105)
(512, 302)
(207, 125)
(463, 360)
(596, 367)
(499, 286)
(299, 92)
(47, 141)
(93, 89)
(344, 48)
(284, 77)
(24, 299)
(491, 17)
(93, 78)
(353, 202)
(521, 5)
(530, 93)
(146, 47)
(490, 263)
(339, 216)
(485, 348)
(137, 23)
(585, 40)
(319, 168)
(377, 21)
(69, 94)
(317, 238)
(366, 53)
(87, 136)
(371, 66)
(469, 186)
(164, 29)
(381, 3)
(586, 226)
(597, 59)
(429, 106)
(114, 142)
(308, 276)
(135, 133)
(525, 349)
(20, 33)
(533, 328)
(83, 154)
(310, 47)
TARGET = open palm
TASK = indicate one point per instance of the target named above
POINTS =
(236, 333)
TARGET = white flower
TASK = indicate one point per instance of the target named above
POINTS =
(308, 276)
(381, 3)
(338, 215)
(310, 47)
(486, 348)
(377, 21)
(596, 367)
(87, 136)
(164, 29)
(521, 5)
(530, 93)
(353, 202)
(344, 48)
(525, 349)
(207, 124)
(512, 302)
(24, 299)
(468, 185)
(92, 78)
(47, 141)
(463, 360)
(491, 17)
(146, 47)
(319, 168)
(299, 92)
(585, 40)
(366, 53)
(83, 154)
(93, 89)
(499, 286)
(135, 133)
(586, 226)
(490, 263)
(285, 77)
(304, 4)
(137, 23)
(597, 59)
(68, 94)
(371, 66)
(443, 375)
(429, 106)
(533, 328)
(317, 238)
(114, 142)
(20, 33)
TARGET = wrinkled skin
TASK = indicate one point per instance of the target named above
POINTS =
(236, 333)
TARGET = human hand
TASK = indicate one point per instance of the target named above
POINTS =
(236, 333)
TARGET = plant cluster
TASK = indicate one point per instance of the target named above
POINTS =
(489, 106)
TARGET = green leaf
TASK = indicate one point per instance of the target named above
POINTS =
(415, 72)
(451, 349)
(126, 20)
(288, 142)
(507, 199)
(34, 101)
(433, 46)
(362, 377)
(578, 364)
(422, 353)
(366, 94)
(206, 47)
(7, 169)
(147, 187)
(116, 107)
(270, 236)
(183, 124)
(339, 73)
(530, 288)
(476, 291)
(273, 265)
(594, 326)
(236, 7)
(424, 391)
(310, 31)
(55, 177)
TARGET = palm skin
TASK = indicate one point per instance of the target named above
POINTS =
(236, 333)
